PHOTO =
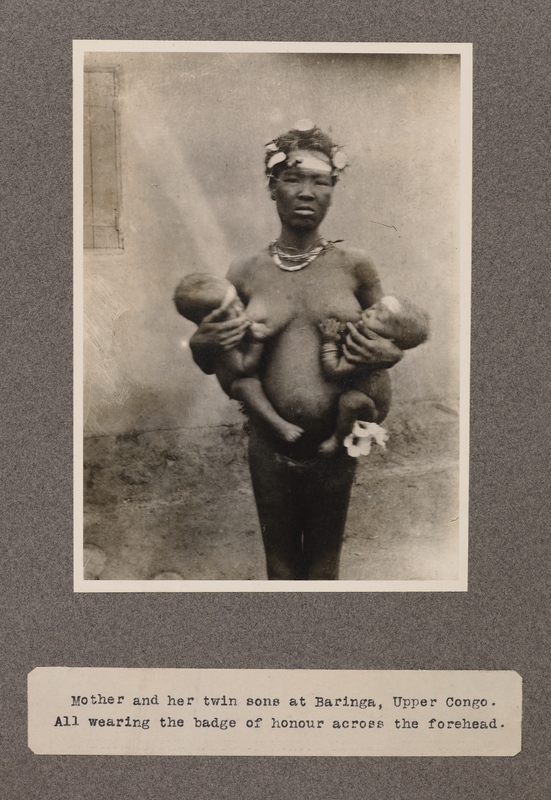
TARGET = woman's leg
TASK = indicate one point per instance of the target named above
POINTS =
(325, 501)
(277, 495)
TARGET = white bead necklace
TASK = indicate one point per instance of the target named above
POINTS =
(299, 261)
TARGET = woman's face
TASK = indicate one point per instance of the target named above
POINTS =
(303, 191)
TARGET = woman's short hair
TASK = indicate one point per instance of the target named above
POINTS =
(303, 138)
(198, 294)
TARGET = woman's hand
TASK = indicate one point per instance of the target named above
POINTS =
(222, 335)
(214, 336)
(367, 347)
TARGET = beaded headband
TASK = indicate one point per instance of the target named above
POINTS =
(338, 159)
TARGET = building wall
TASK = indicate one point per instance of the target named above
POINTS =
(192, 130)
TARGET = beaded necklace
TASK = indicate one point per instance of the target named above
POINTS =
(299, 261)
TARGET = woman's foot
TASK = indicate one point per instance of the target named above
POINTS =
(330, 446)
(287, 431)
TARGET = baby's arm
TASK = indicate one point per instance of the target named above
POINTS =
(243, 360)
(216, 335)
(252, 354)
(333, 363)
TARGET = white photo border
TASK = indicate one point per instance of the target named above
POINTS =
(465, 51)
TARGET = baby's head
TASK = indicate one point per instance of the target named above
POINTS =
(200, 293)
(400, 320)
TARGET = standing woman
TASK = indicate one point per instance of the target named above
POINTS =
(288, 288)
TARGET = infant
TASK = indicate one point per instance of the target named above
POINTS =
(199, 294)
(367, 391)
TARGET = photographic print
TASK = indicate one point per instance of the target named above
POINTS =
(272, 301)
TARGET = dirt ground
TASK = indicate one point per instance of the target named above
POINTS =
(177, 504)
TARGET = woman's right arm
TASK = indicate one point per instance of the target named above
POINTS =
(214, 336)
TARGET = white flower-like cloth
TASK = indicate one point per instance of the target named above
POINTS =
(276, 159)
(358, 443)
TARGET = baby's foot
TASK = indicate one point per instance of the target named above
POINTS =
(288, 431)
(329, 447)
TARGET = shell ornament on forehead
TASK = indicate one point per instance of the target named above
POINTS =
(305, 136)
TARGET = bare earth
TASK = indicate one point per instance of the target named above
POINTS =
(178, 504)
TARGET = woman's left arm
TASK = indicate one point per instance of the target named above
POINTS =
(368, 289)
(364, 346)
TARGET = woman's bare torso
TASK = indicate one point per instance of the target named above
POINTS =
(291, 304)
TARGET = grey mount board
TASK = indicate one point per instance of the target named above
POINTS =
(500, 623)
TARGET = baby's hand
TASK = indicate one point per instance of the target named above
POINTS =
(260, 331)
(330, 330)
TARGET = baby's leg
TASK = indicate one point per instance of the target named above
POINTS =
(353, 405)
(249, 391)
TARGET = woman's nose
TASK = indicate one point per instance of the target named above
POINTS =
(306, 190)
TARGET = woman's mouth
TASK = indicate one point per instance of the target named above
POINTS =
(305, 211)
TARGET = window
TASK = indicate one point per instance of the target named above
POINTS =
(102, 190)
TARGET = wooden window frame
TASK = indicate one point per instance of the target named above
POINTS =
(102, 224)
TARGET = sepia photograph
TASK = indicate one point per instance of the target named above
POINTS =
(272, 308)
